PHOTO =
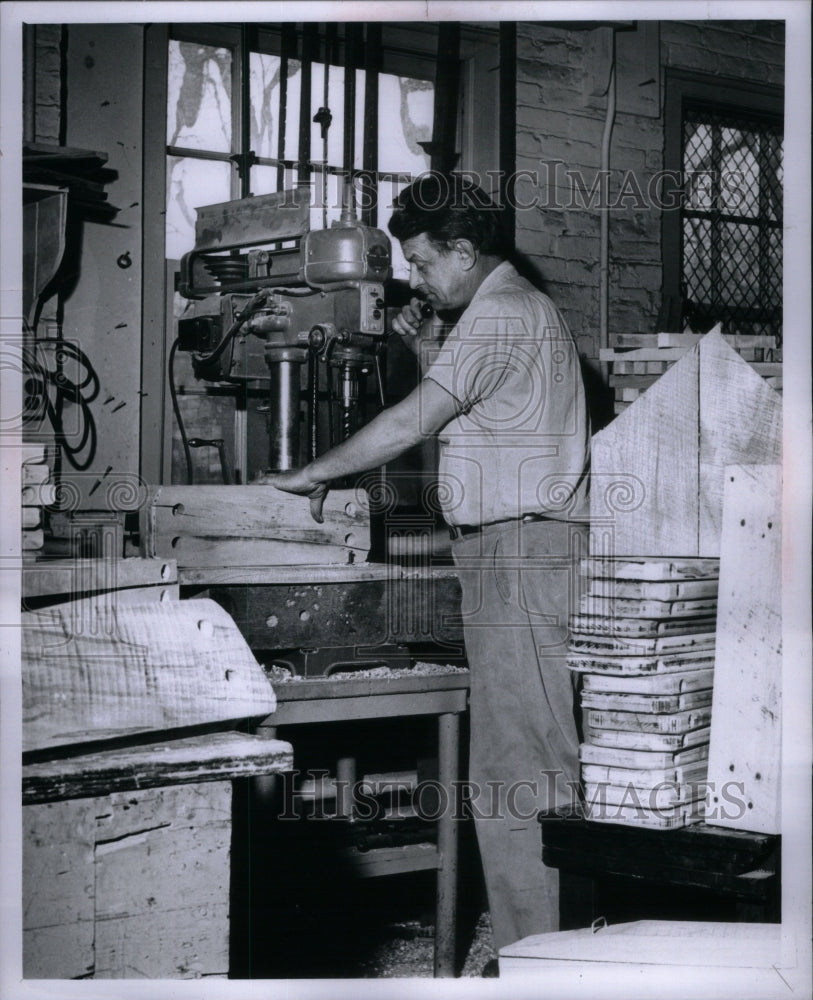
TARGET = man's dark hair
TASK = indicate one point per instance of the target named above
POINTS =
(448, 207)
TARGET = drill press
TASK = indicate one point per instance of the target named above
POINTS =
(299, 311)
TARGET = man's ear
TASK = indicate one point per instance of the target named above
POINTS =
(466, 252)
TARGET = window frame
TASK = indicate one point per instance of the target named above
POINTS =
(684, 89)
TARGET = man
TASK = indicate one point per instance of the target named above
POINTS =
(504, 392)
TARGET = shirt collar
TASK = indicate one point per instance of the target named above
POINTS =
(496, 277)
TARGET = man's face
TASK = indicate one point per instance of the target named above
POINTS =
(438, 275)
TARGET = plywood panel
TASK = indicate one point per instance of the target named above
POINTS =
(746, 706)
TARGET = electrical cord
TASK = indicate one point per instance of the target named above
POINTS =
(173, 392)
(40, 380)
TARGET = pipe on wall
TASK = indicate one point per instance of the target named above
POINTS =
(604, 268)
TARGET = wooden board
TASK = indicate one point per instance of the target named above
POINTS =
(648, 703)
(212, 757)
(645, 590)
(654, 685)
(597, 660)
(71, 577)
(631, 740)
(600, 625)
(664, 818)
(747, 704)
(650, 798)
(649, 722)
(156, 666)
(162, 883)
(254, 525)
(645, 777)
(635, 647)
(592, 604)
(644, 759)
(58, 890)
(658, 468)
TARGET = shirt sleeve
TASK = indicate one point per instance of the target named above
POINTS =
(477, 357)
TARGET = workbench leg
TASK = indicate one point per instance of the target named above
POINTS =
(264, 786)
(446, 913)
(346, 780)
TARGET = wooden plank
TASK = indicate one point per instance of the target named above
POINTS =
(254, 525)
(746, 735)
(658, 704)
(629, 381)
(625, 740)
(621, 658)
(649, 798)
(644, 353)
(643, 759)
(212, 757)
(647, 722)
(58, 891)
(592, 604)
(78, 576)
(597, 625)
(654, 685)
(162, 882)
(738, 341)
(649, 569)
(159, 665)
(645, 590)
(310, 573)
(646, 777)
(666, 818)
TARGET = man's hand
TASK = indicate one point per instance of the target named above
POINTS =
(414, 328)
(301, 482)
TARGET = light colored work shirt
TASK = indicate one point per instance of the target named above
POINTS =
(521, 443)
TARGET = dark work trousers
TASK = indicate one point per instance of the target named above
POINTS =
(519, 581)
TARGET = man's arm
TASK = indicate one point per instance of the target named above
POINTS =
(422, 413)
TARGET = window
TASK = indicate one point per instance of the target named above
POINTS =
(268, 113)
(237, 110)
(723, 255)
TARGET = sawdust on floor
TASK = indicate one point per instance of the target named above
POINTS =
(409, 952)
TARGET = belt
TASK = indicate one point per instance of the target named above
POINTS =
(462, 530)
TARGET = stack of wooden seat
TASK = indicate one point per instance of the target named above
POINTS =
(639, 359)
(643, 641)
(37, 492)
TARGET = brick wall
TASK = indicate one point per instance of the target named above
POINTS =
(557, 120)
(48, 62)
